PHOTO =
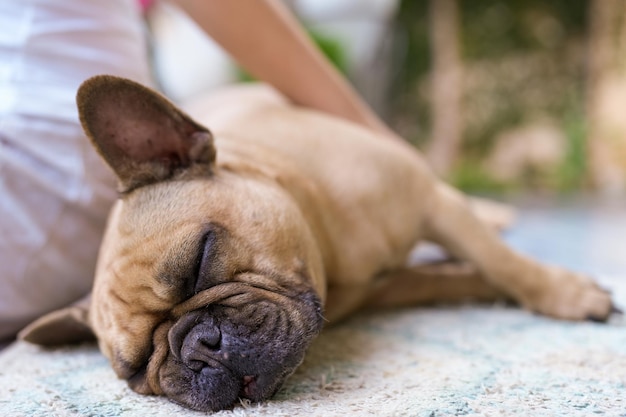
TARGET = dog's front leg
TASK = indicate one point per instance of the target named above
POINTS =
(545, 289)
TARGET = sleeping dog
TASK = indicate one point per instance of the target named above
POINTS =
(228, 249)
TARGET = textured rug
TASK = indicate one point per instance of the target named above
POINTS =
(431, 362)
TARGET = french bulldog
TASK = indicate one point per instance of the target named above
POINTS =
(229, 249)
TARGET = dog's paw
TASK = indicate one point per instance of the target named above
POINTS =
(570, 296)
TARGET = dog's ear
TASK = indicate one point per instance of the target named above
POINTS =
(66, 326)
(139, 133)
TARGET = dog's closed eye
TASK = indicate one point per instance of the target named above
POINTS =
(205, 265)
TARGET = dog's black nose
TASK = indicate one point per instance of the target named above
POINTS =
(194, 341)
(200, 345)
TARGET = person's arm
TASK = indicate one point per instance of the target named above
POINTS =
(265, 38)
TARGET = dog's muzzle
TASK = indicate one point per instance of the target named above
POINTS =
(221, 353)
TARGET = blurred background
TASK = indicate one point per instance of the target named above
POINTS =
(503, 97)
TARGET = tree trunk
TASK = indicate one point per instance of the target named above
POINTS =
(606, 95)
(446, 85)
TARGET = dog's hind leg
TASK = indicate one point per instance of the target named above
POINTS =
(448, 282)
(545, 289)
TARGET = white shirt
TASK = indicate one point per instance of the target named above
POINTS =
(55, 191)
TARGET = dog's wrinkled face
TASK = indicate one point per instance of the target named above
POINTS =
(186, 306)
(207, 286)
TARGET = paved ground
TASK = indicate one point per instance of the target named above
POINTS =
(589, 237)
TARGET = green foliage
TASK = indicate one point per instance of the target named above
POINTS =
(572, 171)
(411, 60)
(470, 177)
(493, 28)
(523, 60)
(411, 48)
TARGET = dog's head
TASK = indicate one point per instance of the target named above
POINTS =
(208, 282)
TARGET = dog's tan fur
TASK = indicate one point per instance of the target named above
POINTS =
(317, 201)
(396, 202)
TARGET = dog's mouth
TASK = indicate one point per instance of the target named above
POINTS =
(223, 352)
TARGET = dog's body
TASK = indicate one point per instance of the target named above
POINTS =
(338, 175)
(214, 271)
